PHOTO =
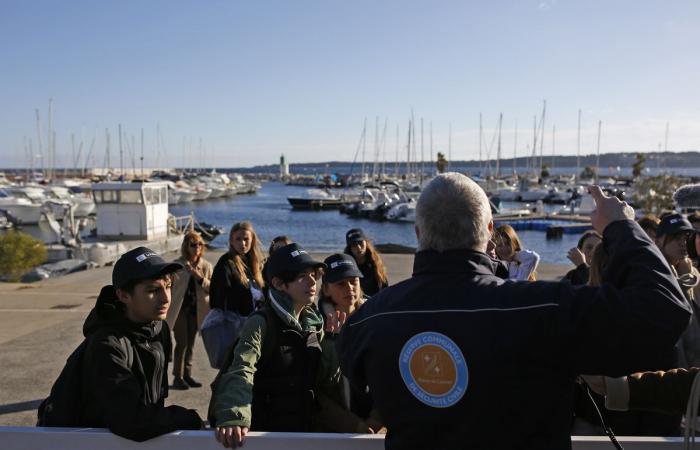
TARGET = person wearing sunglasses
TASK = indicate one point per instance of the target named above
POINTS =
(190, 306)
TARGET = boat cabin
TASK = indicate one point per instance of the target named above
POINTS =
(131, 210)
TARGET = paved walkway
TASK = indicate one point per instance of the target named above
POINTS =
(41, 323)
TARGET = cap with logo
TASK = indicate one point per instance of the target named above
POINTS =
(291, 259)
(673, 224)
(340, 266)
(355, 235)
(141, 263)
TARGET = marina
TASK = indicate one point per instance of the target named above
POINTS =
(236, 185)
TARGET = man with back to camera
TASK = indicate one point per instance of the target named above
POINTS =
(125, 362)
(468, 360)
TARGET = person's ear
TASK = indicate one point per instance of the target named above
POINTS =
(123, 296)
(490, 227)
(277, 283)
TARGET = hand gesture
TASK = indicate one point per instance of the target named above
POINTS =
(231, 437)
(608, 210)
(335, 321)
(576, 257)
(596, 383)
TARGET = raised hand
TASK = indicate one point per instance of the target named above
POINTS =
(608, 210)
(335, 321)
(576, 256)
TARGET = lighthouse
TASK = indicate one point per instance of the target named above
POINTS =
(284, 167)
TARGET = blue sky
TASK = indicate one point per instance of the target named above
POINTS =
(256, 79)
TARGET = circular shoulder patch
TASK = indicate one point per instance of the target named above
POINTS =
(434, 370)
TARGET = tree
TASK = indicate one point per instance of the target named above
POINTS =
(441, 163)
(654, 195)
(638, 166)
(19, 252)
(587, 173)
(545, 171)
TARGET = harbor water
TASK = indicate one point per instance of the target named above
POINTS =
(324, 231)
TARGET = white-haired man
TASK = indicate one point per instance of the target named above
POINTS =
(456, 357)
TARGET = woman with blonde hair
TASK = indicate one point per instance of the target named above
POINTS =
(368, 261)
(190, 304)
(522, 263)
(237, 282)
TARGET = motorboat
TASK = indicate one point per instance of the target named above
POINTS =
(22, 208)
(83, 205)
(315, 199)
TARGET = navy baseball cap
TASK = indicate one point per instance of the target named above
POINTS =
(290, 258)
(674, 224)
(141, 263)
(355, 235)
(340, 266)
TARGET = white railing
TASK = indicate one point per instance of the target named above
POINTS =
(30, 438)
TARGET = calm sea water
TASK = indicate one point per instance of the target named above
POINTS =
(324, 231)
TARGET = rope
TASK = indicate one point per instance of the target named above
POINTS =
(607, 429)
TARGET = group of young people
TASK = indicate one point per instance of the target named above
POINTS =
(283, 372)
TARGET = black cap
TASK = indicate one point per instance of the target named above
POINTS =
(141, 263)
(340, 266)
(355, 235)
(673, 224)
(290, 258)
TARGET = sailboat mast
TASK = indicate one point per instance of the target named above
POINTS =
(578, 147)
(51, 149)
(432, 161)
(142, 175)
(481, 139)
(422, 154)
(376, 147)
(364, 146)
(554, 128)
(533, 164)
(121, 154)
(408, 151)
(39, 142)
(544, 110)
(515, 147)
(396, 165)
(498, 149)
(597, 158)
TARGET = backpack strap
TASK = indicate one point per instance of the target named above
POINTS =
(271, 328)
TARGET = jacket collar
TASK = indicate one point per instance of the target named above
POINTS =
(309, 318)
(454, 261)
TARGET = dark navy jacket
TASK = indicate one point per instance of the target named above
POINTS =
(458, 358)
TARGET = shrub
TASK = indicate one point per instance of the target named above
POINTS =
(19, 252)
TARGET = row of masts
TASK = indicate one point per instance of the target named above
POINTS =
(130, 156)
(534, 163)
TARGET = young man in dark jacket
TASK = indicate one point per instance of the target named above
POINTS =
(457, 358)
(125, 363)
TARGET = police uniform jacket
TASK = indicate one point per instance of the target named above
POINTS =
(456, 357)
